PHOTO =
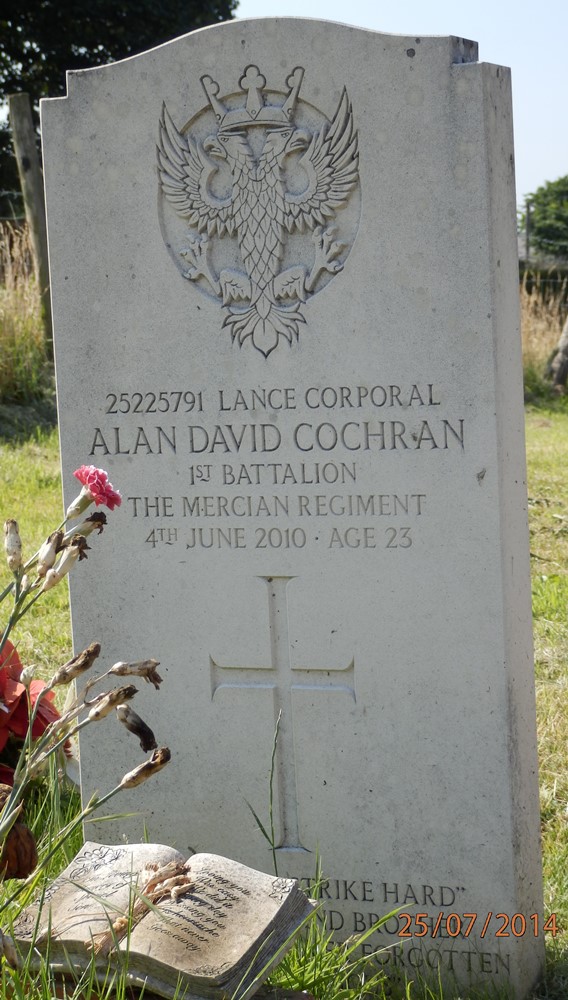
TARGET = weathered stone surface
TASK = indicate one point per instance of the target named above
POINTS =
(291, 337)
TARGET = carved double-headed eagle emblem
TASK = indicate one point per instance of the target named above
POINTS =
(267, 203)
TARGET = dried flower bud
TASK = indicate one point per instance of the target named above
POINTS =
(19, 853)
(136, 725)
(8, 950)
(27, 676)
(96, 522)
(24, 583)
(76, 666)
(157, 761)
(51, 579)
(48, 552)
(74, 551)
(80, 542)
(106, 702)
(5, 793)
(142, 668)
(12, 544)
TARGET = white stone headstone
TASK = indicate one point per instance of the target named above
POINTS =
(285, 300)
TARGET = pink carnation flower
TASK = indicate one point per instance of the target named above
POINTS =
(96, 483)
(96, 489)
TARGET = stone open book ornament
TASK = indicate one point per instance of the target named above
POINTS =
(218, 937)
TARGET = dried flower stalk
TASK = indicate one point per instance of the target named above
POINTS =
(171, 880)
(12, 544)
(105, 703)
(141, 668)
(77, 665)
(136, 725)
(48, 552)
(95, 522)
(74, 552)
(156, 762)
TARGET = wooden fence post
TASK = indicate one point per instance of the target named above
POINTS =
(23, 134)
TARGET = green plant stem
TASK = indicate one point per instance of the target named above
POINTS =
(29, 764)
(42, 757)
(28, 606)
(17, 613)
(28, 565)
(271, 793)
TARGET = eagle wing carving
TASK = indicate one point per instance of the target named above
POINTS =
(185, 173)
(331, 163)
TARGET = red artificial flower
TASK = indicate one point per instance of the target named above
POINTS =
(97, 484)
(10, 663)
(14, 704)
(6, 775)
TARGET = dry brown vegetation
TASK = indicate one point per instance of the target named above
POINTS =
(23, 358)
(543, 313)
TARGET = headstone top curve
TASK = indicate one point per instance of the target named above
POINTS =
(460, 50)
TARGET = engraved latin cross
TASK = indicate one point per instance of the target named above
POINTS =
(283, 677)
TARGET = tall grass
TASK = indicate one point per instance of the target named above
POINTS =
(24, 369)
(542, 317)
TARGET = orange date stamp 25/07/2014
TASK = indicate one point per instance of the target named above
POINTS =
(453, 925)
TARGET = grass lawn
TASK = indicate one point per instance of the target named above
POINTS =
(31, 493)
(547, 458)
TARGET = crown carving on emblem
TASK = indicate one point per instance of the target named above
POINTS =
(255, 111)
